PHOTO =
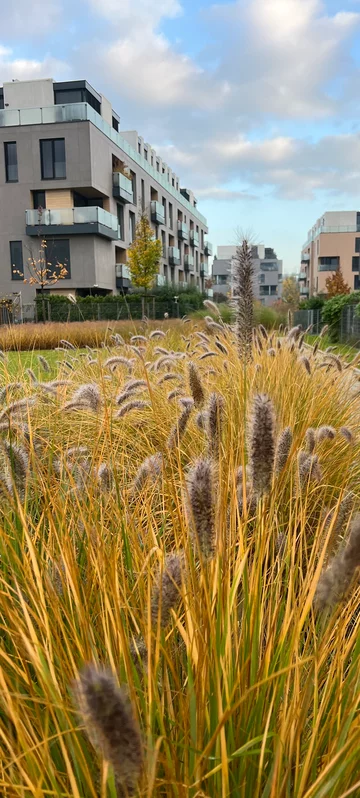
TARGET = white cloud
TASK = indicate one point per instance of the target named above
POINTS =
(22, 18)
(140, 12)
(27, 68)
(223, 194)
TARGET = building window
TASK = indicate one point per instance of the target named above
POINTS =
(115, 124)
(133, 182)
(173, 182)
(58, 255)
(268, 267)
(142, 195)
(355, 263)
(120, 217)
(158, 166)
(39, 199)
(152, 160)
(357, 244)
(164, 206)
(168, 176)
(163, 170)
(16, 260)
(163, 243)
(52, 154)
(328, 263)
(11, 164)
(145, 153)
(202, 240)
(139, 146)
(131, 226)
(197, 260)
(170, 215)
(356, 282)
(177, 185)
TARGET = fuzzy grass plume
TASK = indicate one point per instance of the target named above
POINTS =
(262, 443)
(243, 293)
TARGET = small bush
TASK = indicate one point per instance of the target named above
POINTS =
(269, 317)
(331, 312)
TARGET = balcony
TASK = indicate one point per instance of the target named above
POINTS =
(160, 279)
(183, 233)
(194, 238)
(122, 188)
(208, 249)
(305, 258)
(189, 263)
(82, 112)
(204, 272)
(174, 256)
(157, 212)
(72, 221)
(123, 277)
(304, 291)
(302, 276)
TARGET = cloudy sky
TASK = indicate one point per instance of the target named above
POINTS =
(255, 103)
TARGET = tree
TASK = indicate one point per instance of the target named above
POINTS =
(42, 272)
(144, 255)
(290, 292)
(336, 285)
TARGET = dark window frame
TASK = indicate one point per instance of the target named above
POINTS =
(53, 142)
(121, 220)
(115, 124)
(357, 244)
(7, 144)
(54, 243)
(16, 266)
(355, 266)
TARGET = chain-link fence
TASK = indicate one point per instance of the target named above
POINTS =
(350, 325)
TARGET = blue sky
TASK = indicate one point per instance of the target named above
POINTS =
(255, 103)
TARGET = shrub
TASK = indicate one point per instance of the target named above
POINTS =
(269, 317)
(332, 309)
(313, 303)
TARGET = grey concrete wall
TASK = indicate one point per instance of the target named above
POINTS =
(29, 93)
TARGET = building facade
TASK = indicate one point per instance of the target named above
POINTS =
(67, 175)
(333, 243)
(267, 280)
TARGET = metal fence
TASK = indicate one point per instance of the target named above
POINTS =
(350, 325)
(309, 318)
(103, 311)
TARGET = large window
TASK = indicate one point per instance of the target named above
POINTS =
(329, 263)
(81, 95)
(39, 199)
(131, 226)
(16, 260)
(269, 267)
(58, 255)
(355, 263)
(11, 164)
(357, 244)
(356, 282)
(170, 215)
(164, 206)
(120, 216)
(53, 164)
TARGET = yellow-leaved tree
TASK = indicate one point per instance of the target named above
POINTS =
(43, 273)
(144, 255)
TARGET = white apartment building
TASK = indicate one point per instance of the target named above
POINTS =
(267, 273)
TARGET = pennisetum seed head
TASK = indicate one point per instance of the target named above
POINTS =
(111, 726)
(215, 421)
(196, 387)
(283, 448)
(179, 427)
(336, 579)
(243, 272)
(262, 443)
(88, 395)
(347, 434)
(134, 404)
(200, 486)
(149, 471)
(306, 363)
(310, 440)
(325, 433)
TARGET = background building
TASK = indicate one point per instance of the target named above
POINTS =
(332, 244)
(61, 151)
(267, 273)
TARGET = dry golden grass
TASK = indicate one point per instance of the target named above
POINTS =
(25, 337)
(247, 691)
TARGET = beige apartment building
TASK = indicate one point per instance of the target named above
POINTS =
(333, 243)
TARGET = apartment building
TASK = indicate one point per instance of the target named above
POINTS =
(69, 176)
(333, 243)
(267, 281)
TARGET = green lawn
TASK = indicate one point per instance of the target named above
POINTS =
(344, 350)
(15, 363)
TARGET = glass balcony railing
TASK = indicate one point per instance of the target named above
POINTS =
(304, 291)
(189, 261)
(347, 228)
(183, 232)
(81, 112)
(122, 270)
(305, 258)
(157, 212)
(208, 249)
(194, 238)
(174, 256)
(122, 187)
(302, 276)
(160, 279)
(71, 216)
